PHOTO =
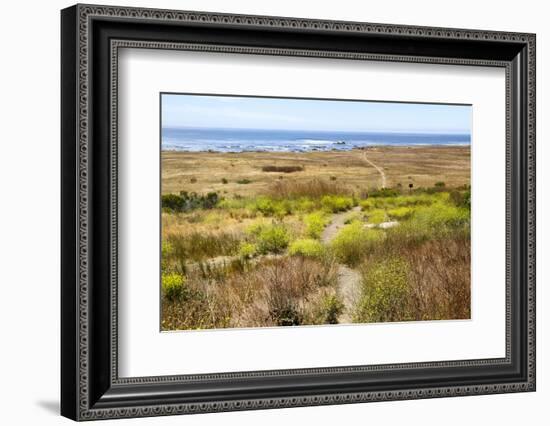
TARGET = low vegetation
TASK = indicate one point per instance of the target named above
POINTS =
(315, 224)
(244, 181)
(384, 291)
(194, 246)
(337, 203)
(264, 258)
(307, 247)
(273, 292)
(283, 169)
(430, 281)
(314, 188)
(273, 239)
(354, 241)
(189, 201)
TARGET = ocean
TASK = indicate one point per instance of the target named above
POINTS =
(239, 140)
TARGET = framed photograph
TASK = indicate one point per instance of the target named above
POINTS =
(263, 212)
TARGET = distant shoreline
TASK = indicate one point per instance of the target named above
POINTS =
(328, 150)
(239, 140)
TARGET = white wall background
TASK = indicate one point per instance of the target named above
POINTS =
(29, 212)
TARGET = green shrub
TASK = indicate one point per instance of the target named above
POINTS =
(414, 200)
(376, 216)
(244, 181)
(467, 199)
(384, 192)
(307, 248)
(173, 286)
(172, 202)
(189, 201)
(367, 204)
(439, 220)
(353, 217)
(256, 227)
(166, 249)
(433, 190)
(385, 292)
(336, 203)
(461, 199)
(270, 207)
(266, 206)
(283, 208)
(397, 201)
(400, 213)
(440, 215)
(439, 184)
(286, 314)
(354, 242)
(305, 205)
(330, 309)
(224, 181)
(273, 239)
(315, 224)
(166, 252)
(247, 250)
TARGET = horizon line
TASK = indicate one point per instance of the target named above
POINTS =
(458, 132)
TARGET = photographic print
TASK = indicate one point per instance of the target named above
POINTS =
(293, 212)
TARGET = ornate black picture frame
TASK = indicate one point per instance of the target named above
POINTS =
(91, 36)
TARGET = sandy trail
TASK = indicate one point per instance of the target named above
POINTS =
(338, 221)
(349, 280)
(378, 169)
(349, 288)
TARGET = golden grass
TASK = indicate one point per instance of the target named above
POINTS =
(205, 171)
(423, 166)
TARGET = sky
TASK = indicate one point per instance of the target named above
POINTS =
(237, 112)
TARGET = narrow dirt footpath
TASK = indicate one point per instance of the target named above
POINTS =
(378, 169)
(337, 222)
(349, 280)
(349, 288)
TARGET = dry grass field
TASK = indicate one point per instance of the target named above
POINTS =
(422, 166)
